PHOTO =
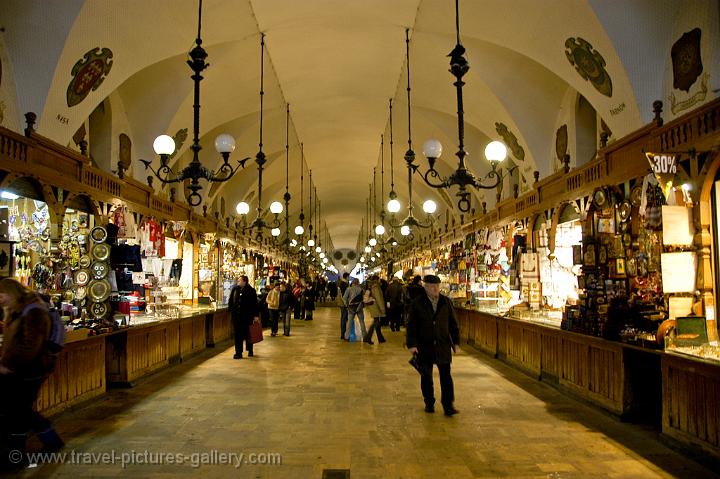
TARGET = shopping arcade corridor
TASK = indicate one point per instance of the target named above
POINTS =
(320, 403)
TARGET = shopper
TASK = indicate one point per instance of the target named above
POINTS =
(353, 299)
(243, 306)
(273, 304)
(343, 286)
(298, 293)
(374, 304)
(413, 291)
(394, 298)
(432, 333)
(332, 290)
(287, 300)
(309, 298)
(27, 360)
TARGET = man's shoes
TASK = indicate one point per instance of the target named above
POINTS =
(273, 334)
(286, 334)
(368, 341)
(382, 340)
(250, 354)
(451, 411)
(237, 356)
(429, 408)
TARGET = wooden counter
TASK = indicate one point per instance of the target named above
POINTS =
(144, 348)
(218, 327)
(588, 367)
(79, 375)
(691, 402)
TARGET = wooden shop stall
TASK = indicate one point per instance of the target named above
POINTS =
(603, 280)
(121, 263)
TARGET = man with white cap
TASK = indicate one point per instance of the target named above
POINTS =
(432, 333)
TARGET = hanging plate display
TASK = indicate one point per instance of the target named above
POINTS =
(80, 293)
(69, 295)
(636, 195)
(98, 310)
(98, 234)
(100, 252)
(625, 210)
(99, 290)
(600, 198)
(100, 270)
(85, 261)
(82, 277)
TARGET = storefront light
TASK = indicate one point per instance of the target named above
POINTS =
(6, 195)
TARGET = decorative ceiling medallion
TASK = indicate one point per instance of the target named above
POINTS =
(179, 139)
(589, 64)
(510, 141)
(561, 142)
(88, 74)
(125, 150)
(686, 60)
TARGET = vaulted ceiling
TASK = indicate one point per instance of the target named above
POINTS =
(338, 63)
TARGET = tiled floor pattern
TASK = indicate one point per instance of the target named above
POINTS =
(321, 403)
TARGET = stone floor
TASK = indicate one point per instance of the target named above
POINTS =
(318, 403)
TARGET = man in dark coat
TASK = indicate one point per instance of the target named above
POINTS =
(243, 305)
(394, 297)
(432, 333)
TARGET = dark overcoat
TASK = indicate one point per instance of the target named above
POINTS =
(432, 333)
(243, 304)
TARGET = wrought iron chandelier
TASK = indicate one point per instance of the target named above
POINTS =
(495, 151)
(275, 207)
(410, 222)
(164, 145)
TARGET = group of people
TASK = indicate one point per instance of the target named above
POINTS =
(432, 331)
(280, 301)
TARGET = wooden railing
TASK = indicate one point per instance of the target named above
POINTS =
(54, 165)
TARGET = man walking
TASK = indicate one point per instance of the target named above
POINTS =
(432, 333)
(343, 286)
(353, 299)
(243, 306)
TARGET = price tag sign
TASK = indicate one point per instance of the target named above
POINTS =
(664, 166)
(138, 278)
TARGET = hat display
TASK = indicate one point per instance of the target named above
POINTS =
(431, 279)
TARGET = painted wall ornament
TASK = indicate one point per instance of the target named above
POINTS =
(179, 138)
(561, 142)
(686, 60)
(687, 67)
(589, 64)
(511, 141)
(88, 74)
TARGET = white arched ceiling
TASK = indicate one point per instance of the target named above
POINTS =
(337, 63)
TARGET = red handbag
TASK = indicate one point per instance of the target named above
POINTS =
(256, 332)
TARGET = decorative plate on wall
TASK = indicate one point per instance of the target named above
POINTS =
(101, 252)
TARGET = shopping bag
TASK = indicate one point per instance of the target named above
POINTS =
(256, 332)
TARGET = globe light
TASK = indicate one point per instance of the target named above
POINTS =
(432, 148)
(393, 206)
(322, 255)
(377, 254)
(324, 260)
(302, 248)
(429, 207)
(495, 151)
(275, 231)
(379, 230)
(405, 230)
(225, 143)
(362, 259)
(242, 208)
(318, 249)
(372, 242)
(164, 145)
(276, 207)
(368, 249)
(394, 242)
(311, 242)
(299, 230)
